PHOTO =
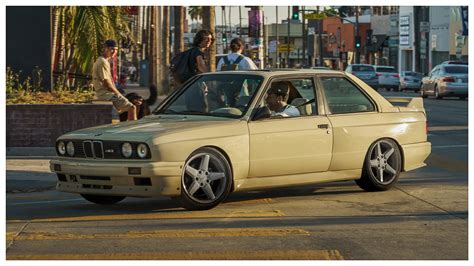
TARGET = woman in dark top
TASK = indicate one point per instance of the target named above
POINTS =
(202, 41)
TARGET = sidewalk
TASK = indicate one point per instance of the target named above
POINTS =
(27, 168)
(28, 174)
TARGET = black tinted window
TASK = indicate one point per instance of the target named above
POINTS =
(386, 70)
(455, 70)
(344, 97)
(363, 68)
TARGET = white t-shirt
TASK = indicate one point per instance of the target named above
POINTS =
(244, 64)
(289, 110)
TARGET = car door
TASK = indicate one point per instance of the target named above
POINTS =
(429, 86)
(291, 145)
(352, 114)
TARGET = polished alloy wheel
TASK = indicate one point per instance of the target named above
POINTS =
(382, 163)
(382, 166)
(206, 179)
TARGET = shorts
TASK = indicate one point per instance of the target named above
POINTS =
(121, 103)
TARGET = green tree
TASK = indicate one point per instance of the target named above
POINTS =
(79, 33)
(195, 12)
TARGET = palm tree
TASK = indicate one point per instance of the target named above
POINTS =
(209, 22)
(195, 12)
(179, 14)
(80, 33)
(166, 48)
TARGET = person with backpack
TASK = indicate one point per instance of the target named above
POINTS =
(236, 60)
(191, 62)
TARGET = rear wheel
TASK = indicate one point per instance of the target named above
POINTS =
(422, 93)
(102, 199)
(206, 180)
(437, 95)
(382, 166)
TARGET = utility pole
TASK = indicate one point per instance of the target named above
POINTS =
(277, 57)
(357, 32)
(304, 36)
(288, 40)
(320, 41)
(240, 22)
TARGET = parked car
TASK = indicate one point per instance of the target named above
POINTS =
(410, 80)
(388, 77)
(217, 134)
(366, 73)
(446, 80)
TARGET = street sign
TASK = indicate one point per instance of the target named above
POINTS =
(315, 16)
(424, 26)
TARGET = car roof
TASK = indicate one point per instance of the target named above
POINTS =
(276, 72)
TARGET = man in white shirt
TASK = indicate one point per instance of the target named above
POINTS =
(236, 60)
(277, 97)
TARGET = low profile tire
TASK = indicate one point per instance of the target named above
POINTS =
(423, 94)
(382, 166)
(102, 199)
(436, 94)
(206, 180)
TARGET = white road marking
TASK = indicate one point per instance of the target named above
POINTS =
(450, 146)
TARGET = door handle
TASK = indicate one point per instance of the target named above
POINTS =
(323, 126)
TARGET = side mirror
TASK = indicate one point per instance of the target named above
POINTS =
(262, 113)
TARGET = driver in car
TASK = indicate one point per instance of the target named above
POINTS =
(277, 97)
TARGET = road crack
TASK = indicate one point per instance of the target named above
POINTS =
(431, 204)
(17, 235)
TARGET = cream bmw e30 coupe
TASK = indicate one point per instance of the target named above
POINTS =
(233, 131)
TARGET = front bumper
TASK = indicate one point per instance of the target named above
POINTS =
(108, 177)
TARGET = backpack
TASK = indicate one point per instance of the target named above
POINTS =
(227, 66)
(180, 67)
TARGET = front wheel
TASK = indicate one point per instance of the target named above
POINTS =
(382, 166)
(206, 180)
(102, 199)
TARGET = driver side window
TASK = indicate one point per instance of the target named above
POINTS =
(290, 98)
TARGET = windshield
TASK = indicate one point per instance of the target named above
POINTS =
(455, 69)
(226, 95)
(363, 68)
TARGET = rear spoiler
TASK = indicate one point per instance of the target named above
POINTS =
(411, 104)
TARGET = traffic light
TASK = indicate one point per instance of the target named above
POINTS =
(296, 13)
(224, 37)
(357, 42)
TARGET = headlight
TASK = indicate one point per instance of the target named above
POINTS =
(142, 150)
(127, 150)
(70, 148)
(61, 148)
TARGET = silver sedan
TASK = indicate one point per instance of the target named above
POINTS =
(445, 81)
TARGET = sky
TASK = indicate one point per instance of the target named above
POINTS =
(268, 11)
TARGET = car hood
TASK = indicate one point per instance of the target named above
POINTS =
(149, 126)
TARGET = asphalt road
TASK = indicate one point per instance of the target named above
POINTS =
(425, 217)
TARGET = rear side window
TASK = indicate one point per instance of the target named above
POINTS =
(386, 70)
(344, 97)
(455, 69)
(363, 68)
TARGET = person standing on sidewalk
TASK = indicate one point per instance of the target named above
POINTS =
(104, 85)
(236, 60)
(191, 62)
